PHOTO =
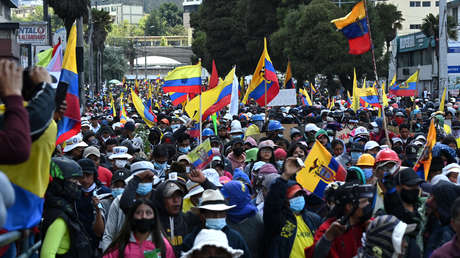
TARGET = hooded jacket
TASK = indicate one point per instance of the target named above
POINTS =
(280, 225)
(176, 227)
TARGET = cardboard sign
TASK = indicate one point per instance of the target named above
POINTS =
(286, 97)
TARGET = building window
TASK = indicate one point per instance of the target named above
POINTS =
(455, 14)
(414, 3)
(415, 26)
(437, 3)
(426, 3)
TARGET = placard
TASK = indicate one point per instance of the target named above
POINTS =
(34, 33)
(285, 97)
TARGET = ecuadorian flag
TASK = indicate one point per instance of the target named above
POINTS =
(423, 164)
(185, 79)
(369, 97)
(123, 115)
(201, 155)
(354, 27)
(407, 88)
(320, 170)
(142, 110)
(264, 78)
(178, 97)
(70, 123)
(306, 101)
(288, 82)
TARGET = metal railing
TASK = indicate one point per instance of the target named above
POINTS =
(22, 236)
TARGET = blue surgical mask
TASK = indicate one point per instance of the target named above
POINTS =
(239, 136)
(280, 135)
(297, 203)
(117, 191)
(160, 166)
(367, 173)
(144, 188)
(175, 127)
(184, 149)
(216, 224)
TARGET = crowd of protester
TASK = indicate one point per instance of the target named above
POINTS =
(126, 190)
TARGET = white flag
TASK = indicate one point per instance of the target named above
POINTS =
(234, 101)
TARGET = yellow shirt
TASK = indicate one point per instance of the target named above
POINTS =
(303, 238)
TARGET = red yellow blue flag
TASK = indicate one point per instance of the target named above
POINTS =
(142, 110)
(201, 155)
(70, 123)
(185, 79)
(320, 170)
(264, 85)
(422, 166)
(354, 27)
(407, 88)
(288, 82)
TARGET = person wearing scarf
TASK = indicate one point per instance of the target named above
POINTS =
(244, 217)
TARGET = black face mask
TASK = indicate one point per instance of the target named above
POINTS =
(409, 196)
(238, 151)
(367, 213)
(398, 149)
(142, 225)
(72, 190)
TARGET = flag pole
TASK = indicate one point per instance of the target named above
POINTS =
(201, 113)
(385, 126)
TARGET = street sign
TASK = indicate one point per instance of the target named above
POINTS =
(33, 33)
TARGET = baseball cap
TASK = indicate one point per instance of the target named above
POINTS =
(170, 188)
(64, 168)
(91, 150)
(120, 175)
(370, 145)
(74, 142)
(407, 176)
(88, 166)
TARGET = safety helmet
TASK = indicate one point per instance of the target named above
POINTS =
(274, 125)
(366, 160)
(387, 155)
(257, 118)
(208, 132)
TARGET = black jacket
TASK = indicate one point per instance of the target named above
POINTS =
(176, 227)
(58, 204)
(280, 224)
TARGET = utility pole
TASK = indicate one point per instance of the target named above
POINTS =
(442, 65)
(80, 67)
(46, 18)
(91, 50)
(145, 57)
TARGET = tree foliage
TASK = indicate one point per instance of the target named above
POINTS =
(164, 21)
(69, 10)
(430, 27)
(391, 19)
(115, 64)
(102, 23)
(232, 32)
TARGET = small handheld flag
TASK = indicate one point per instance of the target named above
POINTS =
(201, 155)
(407, 88)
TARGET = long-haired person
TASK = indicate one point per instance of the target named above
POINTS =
(141, 233)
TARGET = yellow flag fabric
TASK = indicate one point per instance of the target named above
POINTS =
(320, 170)
(142, 110)
(422, 166)
(384, 96)
(357, 13)
(208, 98)
(355, 101)
(443, 100)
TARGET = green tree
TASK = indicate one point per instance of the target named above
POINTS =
(37, 15)
(430, 27)
(69, 11)
(392, 20)
(164, 21)
(308, 39)
(115, 64)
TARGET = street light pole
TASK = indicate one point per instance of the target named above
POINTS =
(145, 57)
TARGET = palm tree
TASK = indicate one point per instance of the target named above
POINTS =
(69, 11)
(430, 27)
(391, 19)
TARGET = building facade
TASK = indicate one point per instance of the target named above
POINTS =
(8, 30)
(416, 51)
(413, 11)
(453, 51)
(120, 12)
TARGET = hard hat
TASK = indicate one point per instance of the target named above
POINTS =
(257, 118)
(236, 127)
(274, 125)
(387, 155)
(366, 160)
(208, 132)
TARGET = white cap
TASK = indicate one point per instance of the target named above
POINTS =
(438, 178)
(236, 127)
(141, 166)
(120, 152)
(396, 139)
(193, 189)
(453, 167)
(211, 237)
(117, 124)
(213, 176)
(74, 142)
(370, 145)
(361, 131)
(311, 127)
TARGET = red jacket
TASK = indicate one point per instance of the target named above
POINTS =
(344, 246)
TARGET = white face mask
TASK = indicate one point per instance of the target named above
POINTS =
(121, 163)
